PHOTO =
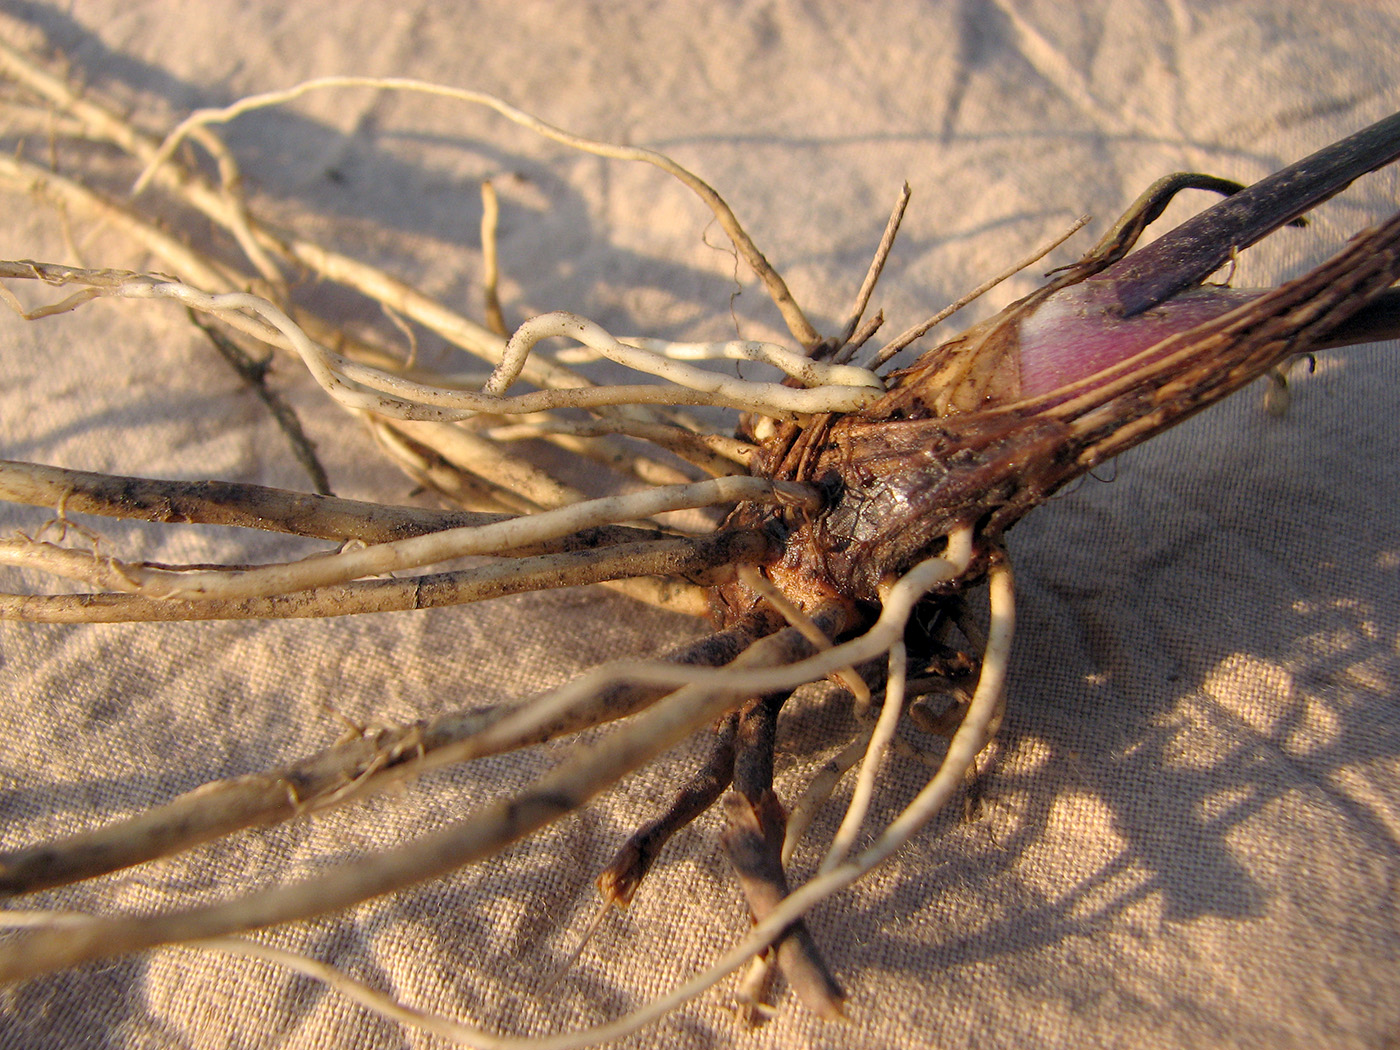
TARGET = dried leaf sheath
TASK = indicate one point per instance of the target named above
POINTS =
(901, 476)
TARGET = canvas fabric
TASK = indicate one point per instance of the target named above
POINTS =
(1188, 833)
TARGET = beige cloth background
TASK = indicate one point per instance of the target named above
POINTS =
(1191, 833)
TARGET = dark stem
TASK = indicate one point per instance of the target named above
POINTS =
(1201, 245)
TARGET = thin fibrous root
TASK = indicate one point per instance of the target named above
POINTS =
(770, 665)
(254, 373)
(336, 568)
(484, 834)
(245, 505)
(276, 253)
(803, 370)
(225, 206)
(699, 559)
(845, 344)
(352, 768)
(716, 454)
(797, 322)
(969, 740)
(921, 329)
(971, 737)
(760, 585)
(880, 738)
(820, 788)
(358, 386)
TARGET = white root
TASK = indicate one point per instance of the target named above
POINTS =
(847, 388)
(716, 454)
(885, 726)
(973, 734)
(886, 631)
(273, 253)
(704, 695)
(797, 366)
(384, 393)
(797, 322)
(819, 789)
(521, 484)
